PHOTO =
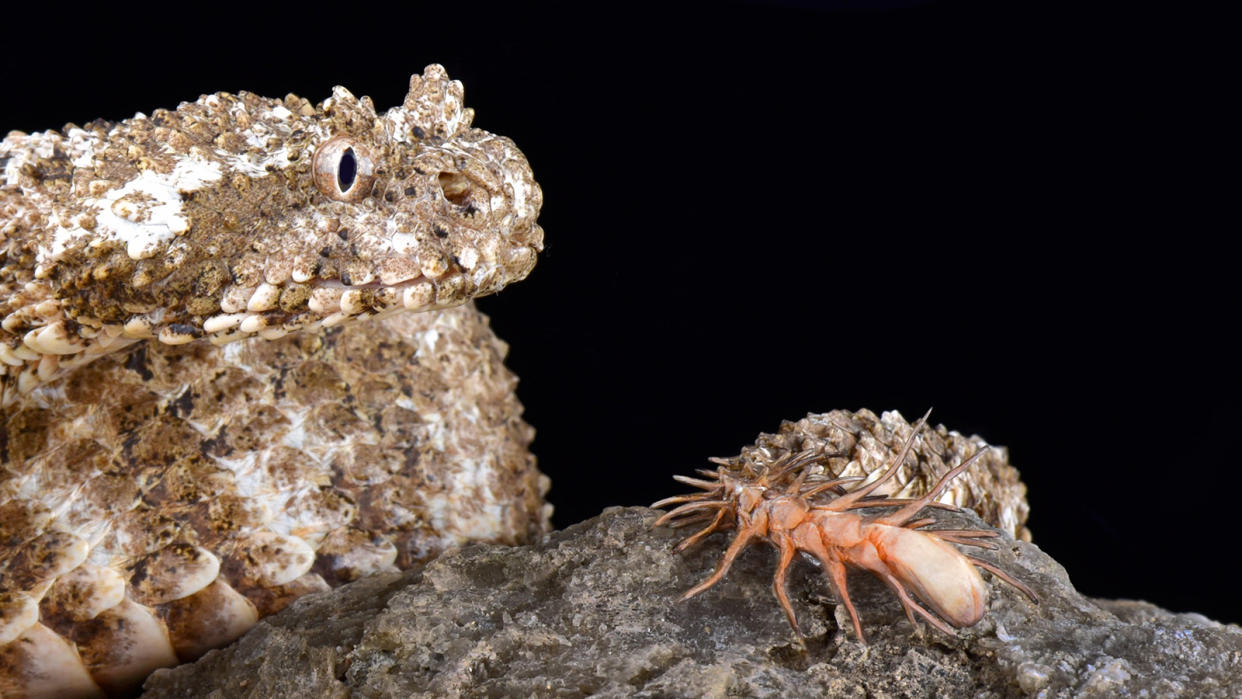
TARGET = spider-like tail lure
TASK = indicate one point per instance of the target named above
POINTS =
(785, 506)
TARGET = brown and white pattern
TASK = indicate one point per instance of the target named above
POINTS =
(158, 493)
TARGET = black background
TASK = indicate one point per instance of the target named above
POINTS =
(755, 211)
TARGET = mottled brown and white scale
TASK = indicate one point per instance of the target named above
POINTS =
(175, 460)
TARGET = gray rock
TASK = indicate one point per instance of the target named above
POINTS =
(593, 610)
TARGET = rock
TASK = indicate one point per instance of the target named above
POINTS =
(593, 610)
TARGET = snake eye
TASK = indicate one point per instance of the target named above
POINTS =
(343, 169)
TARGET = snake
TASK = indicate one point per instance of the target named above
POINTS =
(240, 362)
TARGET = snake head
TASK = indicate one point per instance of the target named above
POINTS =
(238, 215)
(418, 200)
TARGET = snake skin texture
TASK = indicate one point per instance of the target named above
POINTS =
(239, 363)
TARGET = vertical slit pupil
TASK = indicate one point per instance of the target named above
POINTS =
(346, 170)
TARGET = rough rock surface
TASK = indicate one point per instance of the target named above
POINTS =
(593, 610)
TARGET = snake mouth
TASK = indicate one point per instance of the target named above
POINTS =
(274, 310)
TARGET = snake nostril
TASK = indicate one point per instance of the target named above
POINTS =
(456, 188)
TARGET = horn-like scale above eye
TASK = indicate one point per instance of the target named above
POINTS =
(343, 169)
